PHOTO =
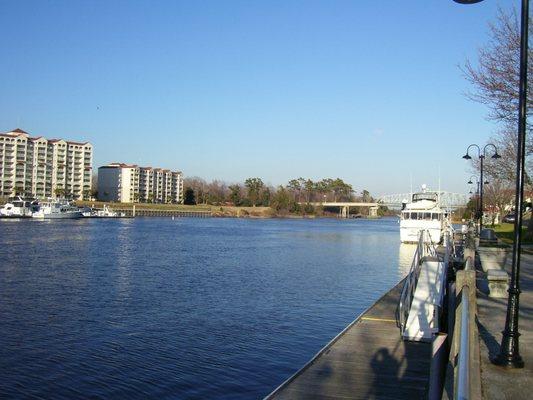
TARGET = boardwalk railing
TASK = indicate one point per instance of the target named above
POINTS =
(423, 249)
(466, 321)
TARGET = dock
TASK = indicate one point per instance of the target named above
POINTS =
(368, 360)
(149, 212)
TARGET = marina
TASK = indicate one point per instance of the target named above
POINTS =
(206, 200)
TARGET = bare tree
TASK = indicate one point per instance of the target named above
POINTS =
(495, 80)
(497, 196)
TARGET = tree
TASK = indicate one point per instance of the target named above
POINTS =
(200, 188)
(235, 194)
(497, 196)
(295, 187)
(188, 196)
(59, 192)
(216, 192)
(495, 79)
(254, 186)
(281, 199)
(309, 186)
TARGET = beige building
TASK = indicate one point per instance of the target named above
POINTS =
(43, 168)
(128, 183)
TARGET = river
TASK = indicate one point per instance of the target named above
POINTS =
(181, 309)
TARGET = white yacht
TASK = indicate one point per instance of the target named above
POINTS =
(17, 207)
(423, 212)
(57, 209)
(105, 212)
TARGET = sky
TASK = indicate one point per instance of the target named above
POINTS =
(368, 91)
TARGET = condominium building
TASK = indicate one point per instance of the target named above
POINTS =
(128, 183)
(43, 168)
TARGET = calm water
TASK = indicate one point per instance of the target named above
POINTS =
(183, 309)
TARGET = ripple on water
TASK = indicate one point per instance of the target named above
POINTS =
(190, 308)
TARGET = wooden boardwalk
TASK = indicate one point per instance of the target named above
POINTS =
(368, 360)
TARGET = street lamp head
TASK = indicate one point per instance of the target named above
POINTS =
(496, 156)
(467, 157)
(468, 1)
(470, 182)
(486, 182)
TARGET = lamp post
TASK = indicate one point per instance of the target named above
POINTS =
(509, 349)
(482, 154)
(470, 182)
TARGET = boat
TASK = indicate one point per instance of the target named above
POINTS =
(57, 209)
(106, 212)
(17, 207)
(423, 212)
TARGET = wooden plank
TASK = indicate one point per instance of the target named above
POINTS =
(368, 360)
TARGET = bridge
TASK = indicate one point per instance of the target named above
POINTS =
(344, 207)
(448, 200)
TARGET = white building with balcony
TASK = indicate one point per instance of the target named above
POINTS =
(44, 168)
(127, 183)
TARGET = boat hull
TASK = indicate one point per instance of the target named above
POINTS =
(409, 233)
(66, 215)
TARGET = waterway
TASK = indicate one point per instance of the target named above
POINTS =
(181, 309)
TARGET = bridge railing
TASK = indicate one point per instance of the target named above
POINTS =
(447, 199)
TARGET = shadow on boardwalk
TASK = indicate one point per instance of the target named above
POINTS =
(497, 382)
(369, 360)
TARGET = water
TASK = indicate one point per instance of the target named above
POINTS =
(182, 309)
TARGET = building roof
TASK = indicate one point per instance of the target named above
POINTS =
(15, 132)
(77, 143)
(20, 132)
(119, 165)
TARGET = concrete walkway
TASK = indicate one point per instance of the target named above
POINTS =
(497, 382)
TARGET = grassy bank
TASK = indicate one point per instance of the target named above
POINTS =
(505, 233)
(217, 211)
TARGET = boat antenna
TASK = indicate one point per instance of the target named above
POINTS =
(438, 196)
(411, 190)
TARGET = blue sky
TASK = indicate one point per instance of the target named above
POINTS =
(369, 91)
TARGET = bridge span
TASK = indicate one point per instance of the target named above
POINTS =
(344, 207)
(448, 200)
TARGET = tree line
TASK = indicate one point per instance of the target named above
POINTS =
(296, 196)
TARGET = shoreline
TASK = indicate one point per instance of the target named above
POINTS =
(216, 211)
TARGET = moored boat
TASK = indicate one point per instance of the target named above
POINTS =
(17, 207)
(423, 212)
(105, 212)
(58, 209)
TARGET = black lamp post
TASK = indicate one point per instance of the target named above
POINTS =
(470, 182)
(482, 153)
(509, 350)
